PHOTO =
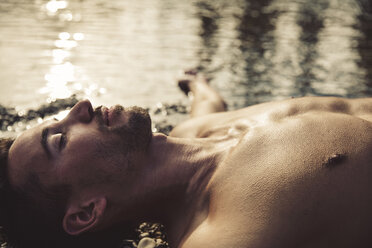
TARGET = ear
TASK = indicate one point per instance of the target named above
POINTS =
(83, 216)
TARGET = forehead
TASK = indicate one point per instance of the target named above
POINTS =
(26, 156)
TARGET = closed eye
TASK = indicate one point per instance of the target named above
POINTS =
(62, 141)
(59, 141)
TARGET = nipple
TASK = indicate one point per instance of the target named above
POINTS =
(335, 159)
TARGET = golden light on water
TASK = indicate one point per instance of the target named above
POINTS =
(66, 16)
(67, 44)
(255, 51)
(59, 55)
(61, 76)
(78, 86)
(53, 6)
(78, 36)
(57, 81)
(92, 88)
(64, 36)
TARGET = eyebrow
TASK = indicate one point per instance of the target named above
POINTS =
(44, 143)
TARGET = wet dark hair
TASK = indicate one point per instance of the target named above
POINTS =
(28, 211)
(31, 215)
(5, 145)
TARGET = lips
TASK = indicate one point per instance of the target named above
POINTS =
(105, 115)
(110, 113)
(114, 116)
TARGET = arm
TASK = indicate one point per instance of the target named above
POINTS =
(204, 100)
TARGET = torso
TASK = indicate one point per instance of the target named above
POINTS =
(299, 175)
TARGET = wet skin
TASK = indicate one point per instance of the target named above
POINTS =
(299, 175)
(87, 148)
(293, 173)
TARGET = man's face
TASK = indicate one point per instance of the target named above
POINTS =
(87, 147)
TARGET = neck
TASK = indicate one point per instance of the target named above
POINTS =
(173, 189)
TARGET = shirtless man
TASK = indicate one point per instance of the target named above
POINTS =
(292, 173)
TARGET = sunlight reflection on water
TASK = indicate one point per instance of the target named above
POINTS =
(53, 6)
(130, 52)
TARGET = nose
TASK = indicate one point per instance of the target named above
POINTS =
(82, 111)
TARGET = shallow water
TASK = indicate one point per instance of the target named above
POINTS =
(131, 52)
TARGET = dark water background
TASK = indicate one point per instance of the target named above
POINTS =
(131, 52)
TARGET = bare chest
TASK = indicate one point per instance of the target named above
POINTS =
(294, 186)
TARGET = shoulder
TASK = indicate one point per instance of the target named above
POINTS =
(195, 127)
(218, 235)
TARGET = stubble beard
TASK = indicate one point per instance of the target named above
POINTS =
(135, 135)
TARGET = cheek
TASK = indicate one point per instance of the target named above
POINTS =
(93, 161)
(108, 151)
(88, 147)
(83, 172)
(93, 156)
